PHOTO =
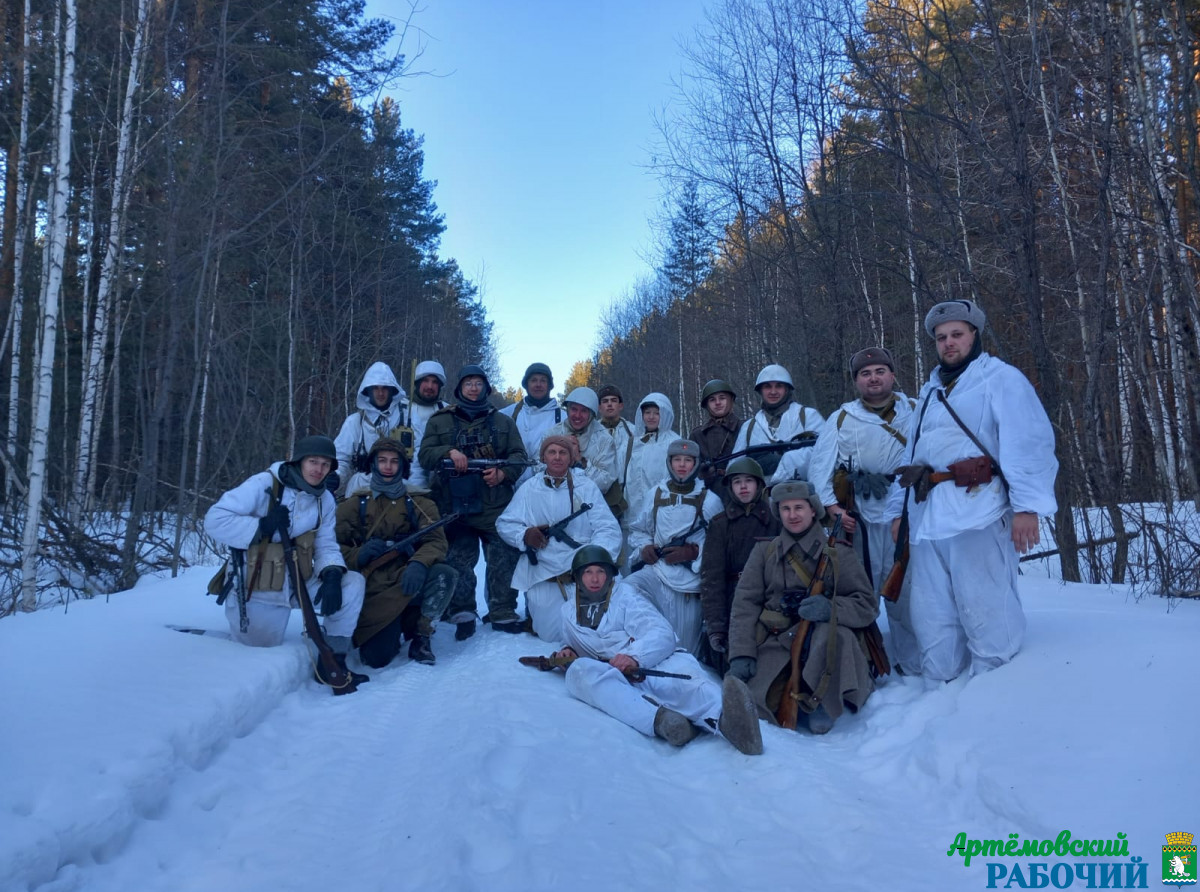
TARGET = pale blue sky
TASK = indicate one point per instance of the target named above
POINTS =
(539, 132)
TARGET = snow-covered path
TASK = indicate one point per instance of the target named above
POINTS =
(143, 759)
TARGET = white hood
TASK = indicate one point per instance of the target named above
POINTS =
(379, 374)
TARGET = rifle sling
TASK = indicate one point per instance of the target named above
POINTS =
(941, 394)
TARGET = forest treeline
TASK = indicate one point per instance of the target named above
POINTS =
(212, 223)
(839, 168)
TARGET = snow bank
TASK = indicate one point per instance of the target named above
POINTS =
(135, 757)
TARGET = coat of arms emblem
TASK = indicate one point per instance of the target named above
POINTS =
(1179, 860)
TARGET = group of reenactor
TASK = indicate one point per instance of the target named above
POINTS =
(759, 546)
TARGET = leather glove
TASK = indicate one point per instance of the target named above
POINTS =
(681, 554)
(277, 520)
(329, 595)
(370, 550)
(815, 609)
(743, 667)
(648, 555)
(535, 538)
(332, 481)
(718, 642)
(413, 578)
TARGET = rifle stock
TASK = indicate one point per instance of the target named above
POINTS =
(788, 713)
(895, 578)
(339, 678)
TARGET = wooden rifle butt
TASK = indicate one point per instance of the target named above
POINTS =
(788, 713)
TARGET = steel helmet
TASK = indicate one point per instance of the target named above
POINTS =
(592, 554)
(318, 445)
(716, 385)
(773, 372)
(745, 465)
(586, 397)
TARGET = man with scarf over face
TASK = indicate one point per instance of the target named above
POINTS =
(550, 496)
(980, 470)
(405, 595)
(609, 630)
(472, 429)
(289, 500)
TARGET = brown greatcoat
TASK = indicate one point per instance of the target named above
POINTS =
(767, 575)
(731, 537)
(716, 437)
(383, 518)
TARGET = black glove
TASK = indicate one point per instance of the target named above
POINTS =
(278, 520)
(743, 667)
(332, 481)
(816, 609)
(413, 578)
(329, 595)
(370, 550)
(718, 642)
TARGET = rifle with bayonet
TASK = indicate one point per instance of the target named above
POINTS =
(330, 671)
(398, 547)
(802, 440)
(635, 674)
(788, 713)
(558, 530)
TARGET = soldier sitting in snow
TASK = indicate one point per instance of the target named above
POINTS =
(609, 630)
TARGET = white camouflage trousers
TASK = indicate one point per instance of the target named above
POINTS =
(681, 610)
(965, 606)
(544, 601)
(269, 612)
(600, 685)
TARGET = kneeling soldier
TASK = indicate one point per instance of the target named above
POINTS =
(610, 631)
(405, 594)
(770, 608)
(289, 501)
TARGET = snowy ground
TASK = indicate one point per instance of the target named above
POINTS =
(134, 757)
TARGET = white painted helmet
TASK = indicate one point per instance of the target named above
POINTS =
(585, 397)
(430, 367)
(773, 372)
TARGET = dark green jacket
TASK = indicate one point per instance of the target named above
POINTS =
(449, 429)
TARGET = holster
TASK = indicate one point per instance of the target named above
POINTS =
(975, 471)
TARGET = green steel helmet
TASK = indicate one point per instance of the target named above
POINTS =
(315, 444)
(746, 465)
(592, 554)
(716, 385)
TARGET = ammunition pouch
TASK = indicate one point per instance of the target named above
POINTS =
(770, 624)
(614, 498)
(406, 438)
(977, 471)
(466, 493)
(272, 570)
